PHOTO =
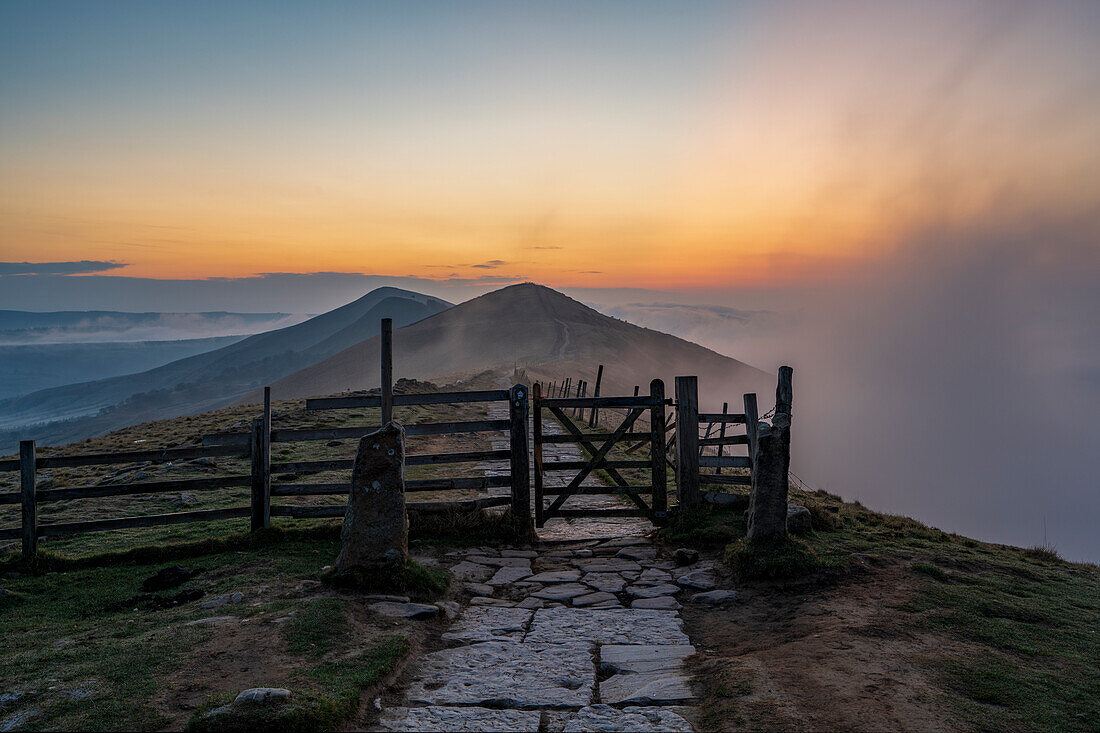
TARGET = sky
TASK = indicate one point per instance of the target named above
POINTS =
(599, 145)
(902, 200)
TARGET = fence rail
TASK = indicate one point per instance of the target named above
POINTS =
(256, 445)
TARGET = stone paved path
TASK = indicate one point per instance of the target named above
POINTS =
(581, 637)
(558, 528)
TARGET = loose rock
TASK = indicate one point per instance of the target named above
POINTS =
(685, 556)
(404, 610)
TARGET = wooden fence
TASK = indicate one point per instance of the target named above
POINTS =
(256, 445)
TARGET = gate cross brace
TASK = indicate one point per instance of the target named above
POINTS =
(596, 459)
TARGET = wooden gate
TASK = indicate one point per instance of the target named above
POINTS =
(597, 446)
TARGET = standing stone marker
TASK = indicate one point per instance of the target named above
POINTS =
(376, 527)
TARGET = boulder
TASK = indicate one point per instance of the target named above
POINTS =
(685, 556)
(714, 597)
(376, 526)
(798, 519)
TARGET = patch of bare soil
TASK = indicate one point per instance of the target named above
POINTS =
(812, 658)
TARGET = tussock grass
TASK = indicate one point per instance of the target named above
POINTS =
(780, 558)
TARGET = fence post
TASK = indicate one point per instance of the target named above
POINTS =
(521, 464)
(536, 449)
(387, 371)
(594, 415)
(657, 447)
(722, 433)
(752, 423)
(687, 441)
(28, 499)
(767, 513)
(260, 448)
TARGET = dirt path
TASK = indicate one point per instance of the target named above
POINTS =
(817, 658)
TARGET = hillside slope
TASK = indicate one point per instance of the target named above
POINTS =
(541, 330)
(208, 380)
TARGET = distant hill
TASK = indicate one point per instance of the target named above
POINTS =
(31, 367)
(542, 331)
(205, 381)
(31, 327)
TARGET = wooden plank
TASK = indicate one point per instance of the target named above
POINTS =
(657, 474)
(151, 520)
(443, 507)
(329, 489)
(591, 437)
(343, 403)
(387, 370)
(576, 465)
(11, 497)
(732, 418)
(605, 490)
(566, 402)
(11, 533)
(687, 441)
(727, 440)
(28, 500)
(725, 462)
(725, 478)
(309, 512)
(431, 459)
(432, 428)
(455, 484)
(10, 464)
(153, 456)
(147, 487)
(340, 464)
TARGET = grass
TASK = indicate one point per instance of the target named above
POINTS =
(1030, 621)
(317, 628)
(413, 579)
(62, 643)
(326, 695)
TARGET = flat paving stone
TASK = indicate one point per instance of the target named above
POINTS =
(651, 591)
(607, 718)
(463, 720)
(714, 597)
(592, 599)
(607, 565)
(531, 603)
(530, 554)
(606, 626)
(471, 572)
(478, 589)
(653, 575)
(483, 623)
(637, 553)
(562, 592)
(498, 602)
(506, 674)
(698, 580)
(555, 576)
(404, 610)
(606, 582)
(500, 562)
(509, 575)
(666, 602)
(645, 675)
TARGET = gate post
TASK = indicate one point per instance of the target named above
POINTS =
(387, 370)
(260, 448)
(536, 449)
(657, 448)
(687, 441)
(28, 499)
(521, 464)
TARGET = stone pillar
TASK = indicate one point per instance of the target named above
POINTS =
(376, 527)
(771, 461)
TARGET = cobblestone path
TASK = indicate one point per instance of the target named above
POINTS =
(562, 638)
